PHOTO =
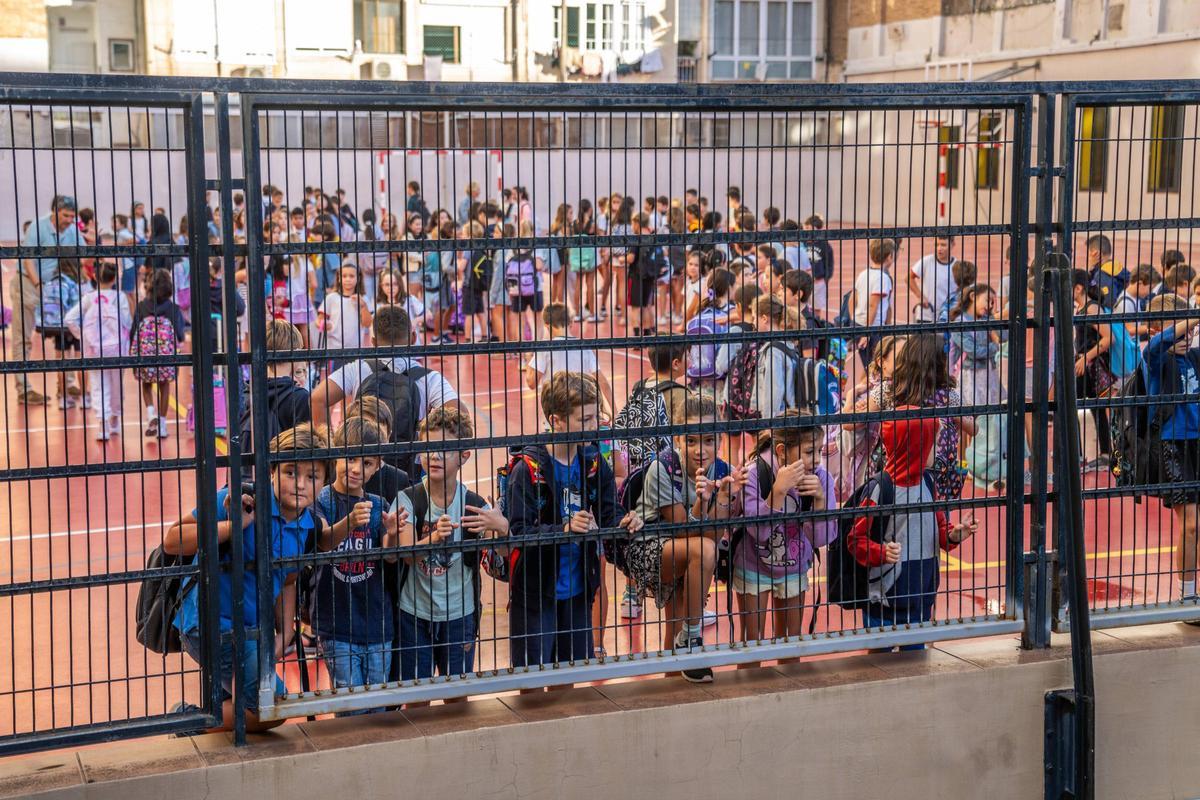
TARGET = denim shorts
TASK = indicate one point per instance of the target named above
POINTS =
(249, 671)
(789, 587)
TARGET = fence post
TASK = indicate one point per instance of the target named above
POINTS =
(1037, 561)
(202, 408)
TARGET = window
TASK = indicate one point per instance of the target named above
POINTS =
(762, 40)
(379, 25)
(1165, 167)
(120, 55)
(572, 26)
(987, 154)
(1093, 149)
(442, 40)
(610, 26)
(949, 142)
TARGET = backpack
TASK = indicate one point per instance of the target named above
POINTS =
(726, 547)
(399, 392)
(947, 471)
(847, 582)
(520, 275)
(480, 276)
(740, 382)
(631, 492)
(1124, 355)
(420, 505)
(274, 426)
(845, 317)
(431, 271)
(987, 454)
(702, 358)
(155, 336)
(652, 264)
(100, 328)
(647, 408)
(159, 600)
(59, 295)
(817, 385)
(1137, 429)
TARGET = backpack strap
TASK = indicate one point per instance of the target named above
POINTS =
(377, 365)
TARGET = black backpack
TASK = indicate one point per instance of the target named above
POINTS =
(399, 392)
(274, 426)
(847, 582)
(159, 600)
(1137, 429)
(419, 497)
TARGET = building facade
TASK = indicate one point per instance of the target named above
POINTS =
(451, 40)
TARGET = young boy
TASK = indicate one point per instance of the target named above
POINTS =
(797, 286)
(287, 399)
(1173, 368)
(686, 484)
(645, 265)
(795, 255)
(580, 360)
(439, 590)
(566, 488)
(820, 255)
(1136, 298)
(873, 293)
(929, 279)
(475, 273)
(389, 480)
(349, 607)
(294, 531)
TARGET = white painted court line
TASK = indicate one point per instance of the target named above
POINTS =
(114, 528)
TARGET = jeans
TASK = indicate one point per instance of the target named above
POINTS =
(551, 633)
(447, 646)
(249, 666)
(356, 665)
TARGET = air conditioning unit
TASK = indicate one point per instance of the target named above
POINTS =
(384, 69)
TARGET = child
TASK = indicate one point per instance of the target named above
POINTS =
(873, 294)
(287, 398)
(439, 590)
(976, 370)
(774, 376)
(904, 568)
(322, 267)
(712, 318)
(288, 511)
(566, 488)
(58, 295)
(694, 275)
(216, 300)
(930, 278)
(964, 274)
(301, 283)
(102, 322)
(645, 265)
(524, 285)
(796, 290)
(857, 440)
(475, 275)
(582, 360)
(820, 255)
(742, 320)
(345, 316)
(1172, 368)
(1178, 281)
(389, 480)
(157, 330)
(392, 290)
(685, 483)
(795, 255)
(770, 567)
(654, 401)
(349, 607)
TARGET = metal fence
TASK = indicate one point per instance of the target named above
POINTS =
(491, 608)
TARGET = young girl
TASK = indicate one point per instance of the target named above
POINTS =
(157, 330)
(1093, 375)
(694, 274)
(714, 316)
(583, 264)
(345, 316)
(102, 322)
(771, 563)
(976, 369)
(392, 291)
(858, 440)
(138, 225)
(527, 311)
(182, 273)
(557, 257)
(301, 283)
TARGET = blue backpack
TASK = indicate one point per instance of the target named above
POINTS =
(59, 295)
(1123, 354)
(817, 382)
(702, 358)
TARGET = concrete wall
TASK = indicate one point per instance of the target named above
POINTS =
(962, 721)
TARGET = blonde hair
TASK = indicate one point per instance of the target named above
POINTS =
(283, 335)
(774, 309)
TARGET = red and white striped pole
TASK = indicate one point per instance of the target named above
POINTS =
(382, 176)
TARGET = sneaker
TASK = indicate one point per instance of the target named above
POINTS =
(66, 402)
(32, 397)
(151, 427)
(631, 604)
(102, 433)
(114, 426)
(591, 318)
(186, 708)
(73, 390)
(709, 618)
(696, 674)
(162, 427)
(86, 402)
(577, 318)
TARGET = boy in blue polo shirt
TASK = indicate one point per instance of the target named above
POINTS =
(294, 530)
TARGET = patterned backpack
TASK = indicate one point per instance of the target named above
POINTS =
(948, 472)
(647, 408)
(155, 336)
(741, 382)
(59, 295)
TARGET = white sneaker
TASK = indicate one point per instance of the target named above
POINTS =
(709, 618)
(162, 427)
(114, 426)
(631, 604)
(66, 402)
(102, 433)
(151, 426)
(86, 400)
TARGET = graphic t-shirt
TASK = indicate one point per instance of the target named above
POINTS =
(569, 480)
(349, 600)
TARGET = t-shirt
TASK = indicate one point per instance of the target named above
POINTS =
(659, 490)
(797, 258)
(434, 389)
(342, 328)
(569, 480)
(43, 234)
(820, 255)
(579, 359)
(349, 600)
(937, 280)
(439, 586)
(872, 281)
(288, 539)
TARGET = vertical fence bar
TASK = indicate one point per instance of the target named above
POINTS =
(1038, 585)
(233, 399)
(256, 319)
(202, 372)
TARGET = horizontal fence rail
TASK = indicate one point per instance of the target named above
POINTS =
(425, 298)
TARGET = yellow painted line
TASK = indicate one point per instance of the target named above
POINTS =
(954, 563)
(495, 405)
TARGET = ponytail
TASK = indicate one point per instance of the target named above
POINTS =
(720, 284)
